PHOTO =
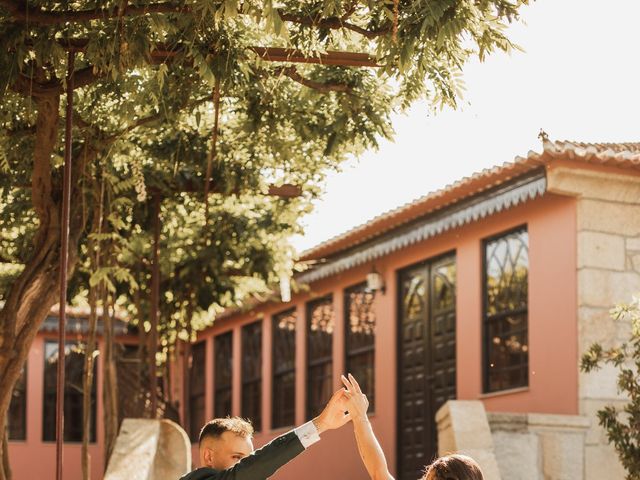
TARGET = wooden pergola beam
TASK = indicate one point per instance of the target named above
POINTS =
(290, 55)
(286, 190)
(163, 52)
(39, 16)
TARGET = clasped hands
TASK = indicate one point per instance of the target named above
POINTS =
(348, 403)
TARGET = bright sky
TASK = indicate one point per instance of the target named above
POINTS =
(578, 79)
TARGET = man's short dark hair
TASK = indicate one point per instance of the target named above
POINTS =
(217, 426)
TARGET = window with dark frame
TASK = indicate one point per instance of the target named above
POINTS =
(73, 396)
(505, 332)
(17, 417)
(360, 325)
(223, 351)
(283, 403)
(252, 374)
(197, 390)
(320, 325)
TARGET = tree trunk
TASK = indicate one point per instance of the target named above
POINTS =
(36, 289)
(110, 388)
(5, 453)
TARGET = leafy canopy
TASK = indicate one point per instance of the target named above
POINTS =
(145, 75)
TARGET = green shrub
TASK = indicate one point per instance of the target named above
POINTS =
(622, 424)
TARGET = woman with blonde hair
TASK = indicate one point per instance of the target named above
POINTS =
(448, 467)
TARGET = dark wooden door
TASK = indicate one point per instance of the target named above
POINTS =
(426, 359)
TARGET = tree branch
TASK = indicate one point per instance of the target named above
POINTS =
(41, 177)
(8, 260)
(333, 23)
(27, 130)
(138, 123)
(293, 74)
(28, 86)
(39, 16)
(79, 122)
(152, 118)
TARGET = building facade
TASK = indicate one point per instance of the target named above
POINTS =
(489, 290)
(32, 422)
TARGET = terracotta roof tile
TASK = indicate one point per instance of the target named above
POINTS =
(622, 155)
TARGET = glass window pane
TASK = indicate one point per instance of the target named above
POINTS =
(223, 403)
(319, 388)
(196, 390)
(252, 374)
(320, 329)
(223, 352)
(284, 369)
(360, 318)
(74, 367)
(360, 338)
(444, 287)
(284, 400)
(507, 272)
(17, 417)
(506, 311)
(361, 367)
(320, 324)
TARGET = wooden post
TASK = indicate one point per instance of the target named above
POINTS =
(155, 300)
(64, 264)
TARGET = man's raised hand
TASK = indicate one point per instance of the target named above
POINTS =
(334, 414)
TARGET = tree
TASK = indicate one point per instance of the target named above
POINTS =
(622, 424)
(145, 78)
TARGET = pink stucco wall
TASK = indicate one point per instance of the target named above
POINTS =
(552, 333)
(552, 340)
(34, 458)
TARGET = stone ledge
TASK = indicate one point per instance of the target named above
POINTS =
(591, 184)
(531, 446)
(525, 421)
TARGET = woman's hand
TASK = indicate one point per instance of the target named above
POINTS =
(357, 402)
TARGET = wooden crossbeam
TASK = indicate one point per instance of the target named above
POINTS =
(344, 59)
(270, 54)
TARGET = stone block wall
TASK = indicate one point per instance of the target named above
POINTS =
(608, 241)
(463, 428)
(538, 446)
(517, 446)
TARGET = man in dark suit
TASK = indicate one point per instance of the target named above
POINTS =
(226, 447)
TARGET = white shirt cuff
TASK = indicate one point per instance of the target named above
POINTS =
(308, 434)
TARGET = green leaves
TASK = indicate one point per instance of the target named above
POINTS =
(621, 424)
(143, 109)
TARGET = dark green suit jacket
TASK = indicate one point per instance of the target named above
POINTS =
(258, 466)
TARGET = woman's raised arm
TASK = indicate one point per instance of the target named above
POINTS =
(370, 451)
